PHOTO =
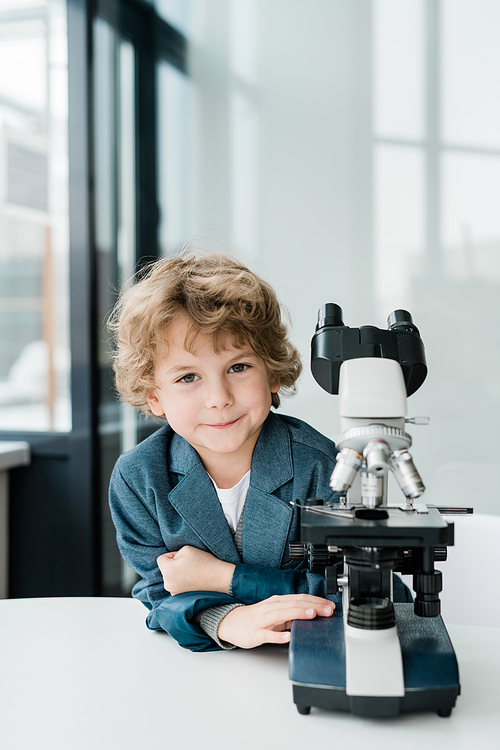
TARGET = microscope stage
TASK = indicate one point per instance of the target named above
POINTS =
(387, 526)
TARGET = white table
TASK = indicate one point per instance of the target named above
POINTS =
(12, 454)
(86, 674)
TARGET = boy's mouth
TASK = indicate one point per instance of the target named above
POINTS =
(223, 425)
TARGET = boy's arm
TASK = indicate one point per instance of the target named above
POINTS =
(253, 583)
(140, 543)
(192, 569)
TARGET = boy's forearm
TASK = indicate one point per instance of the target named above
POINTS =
(192, 569)
(253, 583)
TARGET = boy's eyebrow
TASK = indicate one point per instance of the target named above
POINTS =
(180, 368)
(244, 353)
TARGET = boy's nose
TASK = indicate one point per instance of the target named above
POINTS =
(219, 396)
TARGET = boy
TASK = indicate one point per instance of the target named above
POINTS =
(203, 507)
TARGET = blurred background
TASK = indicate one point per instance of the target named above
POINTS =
(346, 150)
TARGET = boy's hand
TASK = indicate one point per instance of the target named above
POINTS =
(192, 569)
(264, 622)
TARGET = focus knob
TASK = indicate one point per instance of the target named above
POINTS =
(297, 551)
(427, 587)
(440, 554)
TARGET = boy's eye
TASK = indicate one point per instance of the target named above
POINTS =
(190, 378)
(238, 368)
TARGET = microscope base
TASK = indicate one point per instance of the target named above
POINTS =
(318, 670)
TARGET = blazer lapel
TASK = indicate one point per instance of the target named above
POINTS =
(195, 499)
(266, 525)
(267, 518)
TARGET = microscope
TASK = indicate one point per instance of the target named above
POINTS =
(375, 657)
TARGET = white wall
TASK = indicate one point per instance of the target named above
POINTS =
(293, 159)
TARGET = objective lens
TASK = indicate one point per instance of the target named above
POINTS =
(348, 463)
(406, 474)
(372, 490)
(376, 455)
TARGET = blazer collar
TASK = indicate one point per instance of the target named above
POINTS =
(272, 464)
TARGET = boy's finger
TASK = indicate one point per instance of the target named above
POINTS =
(320, 606)
(272, 636)
(280, 616)
(305, 598)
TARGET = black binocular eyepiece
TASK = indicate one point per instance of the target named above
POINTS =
(333, 343)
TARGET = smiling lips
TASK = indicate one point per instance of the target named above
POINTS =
(223, 425)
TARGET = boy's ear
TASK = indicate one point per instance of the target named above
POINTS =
(154, 404)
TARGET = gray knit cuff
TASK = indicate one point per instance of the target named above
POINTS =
(210, 619)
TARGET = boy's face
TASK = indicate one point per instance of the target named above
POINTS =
(217, 402)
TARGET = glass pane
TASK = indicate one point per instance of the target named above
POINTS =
(244, 176)
(471, 219)
(399, 225)
(399, 68)
(471, 72)
(243, 35)
(457, 313)
(34, 244)
(174, 151)
(126, 227)
(106, 146)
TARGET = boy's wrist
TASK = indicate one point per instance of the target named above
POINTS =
(230, 587)
(225, 578)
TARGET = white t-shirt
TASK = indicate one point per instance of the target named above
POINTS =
(233, 500)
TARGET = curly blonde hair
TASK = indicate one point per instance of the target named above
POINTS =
(221, 297)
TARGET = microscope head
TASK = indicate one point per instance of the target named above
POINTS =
(372, 371)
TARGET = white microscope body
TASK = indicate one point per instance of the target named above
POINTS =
(376, 656)
(372, 408)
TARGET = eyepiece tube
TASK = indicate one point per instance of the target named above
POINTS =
(401, 320)
(329, 315)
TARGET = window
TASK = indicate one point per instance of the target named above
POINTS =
(34, 246)
(437, 225)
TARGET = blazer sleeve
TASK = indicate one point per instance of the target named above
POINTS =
(140, 542)
(253, 583)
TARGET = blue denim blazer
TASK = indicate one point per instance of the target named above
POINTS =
(162, 498)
